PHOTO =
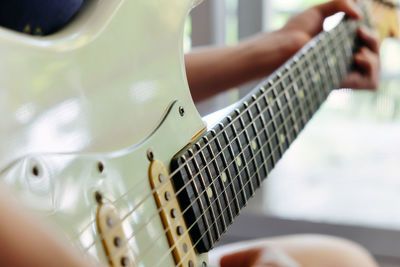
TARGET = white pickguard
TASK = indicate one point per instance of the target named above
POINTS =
(106, 88)
(101, 84)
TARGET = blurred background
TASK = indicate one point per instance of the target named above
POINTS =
(342, 174)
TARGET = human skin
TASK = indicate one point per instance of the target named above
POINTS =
(215, 69)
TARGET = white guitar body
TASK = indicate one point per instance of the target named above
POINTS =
(80, 111)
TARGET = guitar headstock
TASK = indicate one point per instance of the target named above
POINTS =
(384, 17)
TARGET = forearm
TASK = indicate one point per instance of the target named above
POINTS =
(216, 69)
(26, 242)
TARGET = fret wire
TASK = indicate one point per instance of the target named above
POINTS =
(329, 79)
(199, 193)
(340, 46)
(221, 182)
(342, 68)
(219, 171)
(264, 131)
(229, 173)
(283, 141)
(258, 138)
(299, 95)
(318, 79)
(219, 206)
(249, 140)
(277, 103)
(290, 104)
(245, 165)
(332, 68)
(324, 79)
(312, 86)
(274, 115)
(235, 157)
(308, 107)
(347, 49)
(208, 201)
(310, 92)
(331, 62)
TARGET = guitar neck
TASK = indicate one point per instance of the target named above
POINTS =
(218, 174)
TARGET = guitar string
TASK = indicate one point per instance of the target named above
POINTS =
(193, 247)
(220, 215)
(220, 195)
(317, 62)
(237, 177)
(253, 159)
(281, 109)
(123, 196)
(216, 219)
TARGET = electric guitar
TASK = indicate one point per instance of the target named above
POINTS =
(99, 133)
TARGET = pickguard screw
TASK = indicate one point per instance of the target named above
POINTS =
(98, 196)
(117, 241)
(100, 167)
(181, 111)
(35, 170)
(150, 155)
(124, 261)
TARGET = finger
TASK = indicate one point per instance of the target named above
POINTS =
(244, 258)
(367, 61)
(369, 38)
(347, 6)
(354, 80)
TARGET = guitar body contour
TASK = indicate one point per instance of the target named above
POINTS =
(95, 116)
(81, 110)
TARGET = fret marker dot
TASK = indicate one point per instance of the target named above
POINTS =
(238, 161)
(254, 145)
(223, 176)
(301, 94)
(209, 192)
(282, 138)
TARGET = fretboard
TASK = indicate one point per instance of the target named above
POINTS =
(218, 174)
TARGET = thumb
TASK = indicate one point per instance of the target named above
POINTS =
(245, 258)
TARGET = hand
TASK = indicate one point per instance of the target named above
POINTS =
(303, 27)
(367, 65)
(258, 257)
(366, 74)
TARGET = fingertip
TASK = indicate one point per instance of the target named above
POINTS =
(353, 10)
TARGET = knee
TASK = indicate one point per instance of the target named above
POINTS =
(328, 251)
